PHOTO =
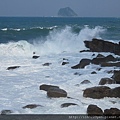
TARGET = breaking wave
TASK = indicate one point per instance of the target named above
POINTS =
(57, 41)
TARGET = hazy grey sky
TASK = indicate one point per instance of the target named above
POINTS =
(84, 8)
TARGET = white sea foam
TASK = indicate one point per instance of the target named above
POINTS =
(56, 42)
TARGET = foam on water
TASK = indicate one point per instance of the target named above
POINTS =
(56, 42)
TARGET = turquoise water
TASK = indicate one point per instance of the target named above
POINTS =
(32, 28)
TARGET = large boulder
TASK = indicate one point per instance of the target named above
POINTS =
(56, 92)
(96, 92)
(101, 92)
(112, 111)
(46, 87)
(98, 45)
(82, 64)
(104, 81)
(94, 110)
(116, 76)
(105, 64)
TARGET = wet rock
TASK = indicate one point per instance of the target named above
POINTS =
(114, 92)
(101, 92)
(67, 104)
(96, 92)
(4, 112)
(46, 87)
(94, 110)
(93, 72)
(56, 92)
(98, 45)
(112, 111)
(82, 64)
(102, 59)
(104, 81)
(85, 82)
(35, 57)
(85, 51)
(13, 67)
(100, 56)
(31, 106)
(64, 63)
(105, 64)
(47, 64)
(116, 76)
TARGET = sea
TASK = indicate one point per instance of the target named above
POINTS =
(55, 40)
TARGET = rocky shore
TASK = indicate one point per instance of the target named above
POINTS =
(100, 91)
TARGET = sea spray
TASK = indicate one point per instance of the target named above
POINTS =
(58, 41)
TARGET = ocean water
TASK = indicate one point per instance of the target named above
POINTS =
(53, 39)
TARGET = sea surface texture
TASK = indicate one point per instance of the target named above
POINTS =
(56, 44)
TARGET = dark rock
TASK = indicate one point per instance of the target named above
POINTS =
(64, 63)
(56, 92)
(111, 71)
(65, 59)
(94, 110)
(32, 106)
(47, 64)
(96, 92)
(93, 72)
(100, 56)
(101, 92)
(35, 57)
(112, 111)
(116, 76)
(114, 92)
(12, 67)
(104, 81)
(46, 87)
(82, 64)
(85, 82)
(105, 64)
(98, 69)
(67, 104)
(66, 12)
(84, 51)
(4, 112)
(98, 45)
(99, 60)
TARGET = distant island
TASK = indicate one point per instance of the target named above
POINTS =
(66, 12)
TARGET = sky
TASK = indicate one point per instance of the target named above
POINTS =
(37, 8)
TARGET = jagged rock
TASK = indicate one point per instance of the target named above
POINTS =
(104, 81)
(4, 112)
(35, 57)
(32, 106)
(112, 111)
(56, 92)
(116, 76)
(66, 12)
(99, 60)
(98, 45)
(67, 104)
(100, 56)
(94, 110)
(46, 87)
(64, 63)
(105, 64)
(82, 64)
(47, 64)
(96, 92)
(12, 67)
(85, 82)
